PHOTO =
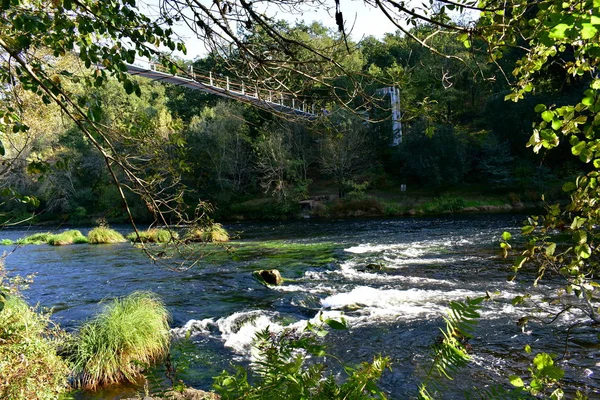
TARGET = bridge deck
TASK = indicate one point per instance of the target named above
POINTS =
(219, 91)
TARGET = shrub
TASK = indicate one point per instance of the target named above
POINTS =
(212, 233)
(36, 238)
(119, 343)
(153, 235)
(104, 235)
(67, 237)
(29, 365)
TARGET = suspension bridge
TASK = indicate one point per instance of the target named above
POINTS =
(278, 101)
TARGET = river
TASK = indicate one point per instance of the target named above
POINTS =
(396, 311)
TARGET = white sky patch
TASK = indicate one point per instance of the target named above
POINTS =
(360, 21)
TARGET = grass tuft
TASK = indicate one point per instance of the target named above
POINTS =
(153, 235)
(212, 233)
(104, 235)
(29, 365)
(66, 238)
(121, 342)
(445, 204)
(36, 238)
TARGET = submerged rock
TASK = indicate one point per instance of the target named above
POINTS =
(371, 267)
(269, 276)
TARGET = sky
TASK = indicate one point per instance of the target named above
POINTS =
(360, 21)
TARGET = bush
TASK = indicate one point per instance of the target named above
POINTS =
(29, 365)
(104, 235)
(153, 236)
(212, 233)
(67, 237)
(118, 344)
(37, 238)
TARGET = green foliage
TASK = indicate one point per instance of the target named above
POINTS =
(104, 235)
(121, 342)
(6, 242)
(544, 377)
(29, 364)
(37, 238)
(66, 238)
(282, 372)
(444, 204)
(450, 353)
(153, 235)
(211, 233)
(440, 160)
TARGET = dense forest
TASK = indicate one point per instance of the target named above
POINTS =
(459, 136)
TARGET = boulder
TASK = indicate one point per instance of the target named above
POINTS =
(269, 276)
(374, 266)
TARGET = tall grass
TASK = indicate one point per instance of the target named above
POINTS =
(444, 204)
(153, 235)
(66, 238)
(212, 233)
(36, 238)
(29, 365)
(104, 235)
(118, 344)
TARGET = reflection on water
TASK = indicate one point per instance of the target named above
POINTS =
(394, 309)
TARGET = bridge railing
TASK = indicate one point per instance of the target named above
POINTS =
(224, 83)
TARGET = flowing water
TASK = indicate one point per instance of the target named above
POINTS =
(395, 311)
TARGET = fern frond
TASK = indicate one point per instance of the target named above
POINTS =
(450, 353)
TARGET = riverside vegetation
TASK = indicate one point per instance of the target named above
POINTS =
(40, 361)
(71, 135)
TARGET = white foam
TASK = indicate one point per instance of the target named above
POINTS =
(193, 327)
(393, 302)
(238, 330)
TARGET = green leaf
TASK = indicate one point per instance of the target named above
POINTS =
(578, 148)
(539, 108)
(548, 115)
(588, 31)
(506, 235)
(583, 251)
(128, 85)
(580, 237)
(542, 360)
(527, 349)
(527, 229)
(559, 31)
(334, 324)
(550, 249)
(516, 381)
(569, 187)
(556, 124)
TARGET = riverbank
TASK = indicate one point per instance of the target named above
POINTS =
(325, 203)
(376, 205)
